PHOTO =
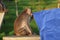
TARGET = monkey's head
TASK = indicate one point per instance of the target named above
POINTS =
(28, 11)
(2, 9)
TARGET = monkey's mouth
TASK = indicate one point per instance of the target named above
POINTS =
(30, 14)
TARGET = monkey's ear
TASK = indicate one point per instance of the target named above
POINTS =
(26, 8)
(24, 11)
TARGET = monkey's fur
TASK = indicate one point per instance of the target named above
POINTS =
(2, 7)
(21, 24)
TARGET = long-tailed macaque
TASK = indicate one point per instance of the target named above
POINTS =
(21, 24)
(2, 7)
(2, 12)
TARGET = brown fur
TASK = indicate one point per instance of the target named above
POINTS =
(2, 7)
(21, 24)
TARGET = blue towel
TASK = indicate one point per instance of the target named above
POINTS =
(48, 22)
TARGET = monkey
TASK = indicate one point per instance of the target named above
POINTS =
(21, 24)
(2, 12)
(2, 7)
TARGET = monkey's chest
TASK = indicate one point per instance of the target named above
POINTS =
(23, 22)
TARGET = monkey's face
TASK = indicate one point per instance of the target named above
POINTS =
(29, 12)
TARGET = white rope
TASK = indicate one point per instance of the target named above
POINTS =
(16, 8)
(58, 3)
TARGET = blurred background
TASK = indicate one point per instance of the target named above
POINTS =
(11, 5)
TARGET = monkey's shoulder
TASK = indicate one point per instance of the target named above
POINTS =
(23, 16)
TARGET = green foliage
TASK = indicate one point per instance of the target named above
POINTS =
(11, 33)
(46, 3)
(34, 27)
(2, 34)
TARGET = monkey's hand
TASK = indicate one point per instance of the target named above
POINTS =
(28, 29)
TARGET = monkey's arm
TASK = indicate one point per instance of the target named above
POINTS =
(31, 18)
(28, 29)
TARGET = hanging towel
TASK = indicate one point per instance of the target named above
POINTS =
(48, 22)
